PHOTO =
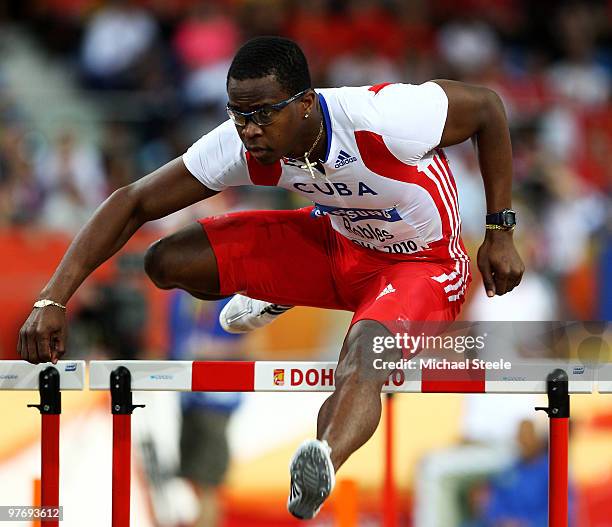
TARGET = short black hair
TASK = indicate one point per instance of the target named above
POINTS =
(281, 57)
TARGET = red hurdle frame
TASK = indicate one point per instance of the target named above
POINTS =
(50, 408)
(391, 505)
(558, 412)
(243, 376)
(122, 408)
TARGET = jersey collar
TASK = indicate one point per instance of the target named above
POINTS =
(328, 126)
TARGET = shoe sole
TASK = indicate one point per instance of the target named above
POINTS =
(310, 470)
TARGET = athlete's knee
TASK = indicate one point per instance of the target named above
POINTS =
(183, 260)
(157, 264)
(357, 363)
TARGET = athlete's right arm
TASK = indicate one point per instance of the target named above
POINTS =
(164, 191)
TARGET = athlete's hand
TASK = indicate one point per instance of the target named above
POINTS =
(42, 338)
(499, 262)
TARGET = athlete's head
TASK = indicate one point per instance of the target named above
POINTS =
(269, 81)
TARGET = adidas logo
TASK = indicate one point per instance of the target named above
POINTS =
(386, 291)
(344, 159)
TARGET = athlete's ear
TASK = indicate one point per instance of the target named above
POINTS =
(308, 102)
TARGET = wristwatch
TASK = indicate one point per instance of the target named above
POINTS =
(45, 302)
(504, 220)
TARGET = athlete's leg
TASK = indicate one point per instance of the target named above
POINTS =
(346, 420)
(401, 293)
(258, 253)
(185, 260)
(350, 416)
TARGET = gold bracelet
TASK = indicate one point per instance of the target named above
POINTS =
(45, 302)
(491, 227)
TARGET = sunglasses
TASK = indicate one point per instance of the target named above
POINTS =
(263, 116)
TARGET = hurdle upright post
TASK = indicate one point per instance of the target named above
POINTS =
(122, 408)
(390, 510)
(558, 411)
(50, 408)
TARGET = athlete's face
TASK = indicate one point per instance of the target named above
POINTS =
(281, 137)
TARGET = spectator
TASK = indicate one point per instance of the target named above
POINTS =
(519, 495)
(578, 77)
(21, 197)
(205, 42)
(322, 35)
(115, 39)
(467, 46)
(262, 17)
(73, 180)
(362, 67)
(119, 146)
(370, 24)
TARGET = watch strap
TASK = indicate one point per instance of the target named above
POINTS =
(505, 219)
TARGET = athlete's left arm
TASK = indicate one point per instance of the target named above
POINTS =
(478, 113)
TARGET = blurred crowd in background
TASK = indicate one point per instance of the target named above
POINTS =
(95, 94)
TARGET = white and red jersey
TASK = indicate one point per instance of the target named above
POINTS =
(386, 186)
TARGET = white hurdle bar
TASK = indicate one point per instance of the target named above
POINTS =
(604, 378)
(21, 375)
(49, 380)
(289, 376)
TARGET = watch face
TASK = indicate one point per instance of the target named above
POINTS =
(509, 217)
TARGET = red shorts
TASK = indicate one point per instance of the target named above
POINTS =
(292, 258)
